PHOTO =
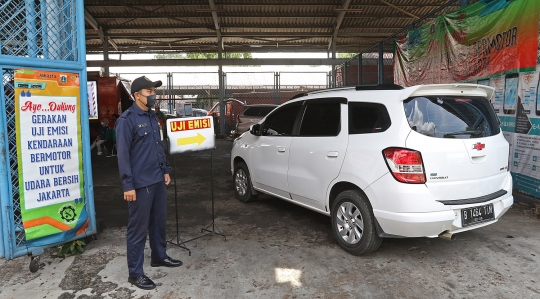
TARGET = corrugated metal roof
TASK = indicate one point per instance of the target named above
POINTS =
(135, 26)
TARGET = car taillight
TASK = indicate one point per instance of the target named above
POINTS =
(238, 120)
(405, 164)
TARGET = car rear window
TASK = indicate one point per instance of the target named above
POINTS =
(451, 117)
(258, 111)
(368, 118)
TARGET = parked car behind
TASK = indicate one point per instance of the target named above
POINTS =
(382, 161)
(252, 114)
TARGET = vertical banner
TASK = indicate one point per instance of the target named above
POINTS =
(49, 154)
(489, 37)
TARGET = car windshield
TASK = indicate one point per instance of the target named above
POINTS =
(451, 117)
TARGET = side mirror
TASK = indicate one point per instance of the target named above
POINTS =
(255, 129)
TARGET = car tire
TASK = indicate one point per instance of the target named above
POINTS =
(242, 183)
(353, 223)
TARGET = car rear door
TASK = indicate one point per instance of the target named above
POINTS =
(318, 151)
(463, 150)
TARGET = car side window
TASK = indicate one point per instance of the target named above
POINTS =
(321, 119)
(368, 118)
(281, 122)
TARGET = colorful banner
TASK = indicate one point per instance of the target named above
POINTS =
(490, 37)
(49, 154)
(517, 104)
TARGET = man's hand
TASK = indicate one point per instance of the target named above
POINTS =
(130, 195)
(167, 179)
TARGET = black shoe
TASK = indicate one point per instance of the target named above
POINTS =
(168, 262)
(142, 282)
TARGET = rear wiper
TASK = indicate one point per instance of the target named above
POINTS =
(474, 132)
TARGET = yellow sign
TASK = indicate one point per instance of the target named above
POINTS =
(199, 139)
(190, 134)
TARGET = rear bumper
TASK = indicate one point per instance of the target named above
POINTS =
(432, 224)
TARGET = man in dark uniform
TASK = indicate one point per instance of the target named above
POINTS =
(144, 172)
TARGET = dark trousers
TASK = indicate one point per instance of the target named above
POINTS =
(148, 213)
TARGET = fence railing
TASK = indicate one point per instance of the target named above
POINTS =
(376, 64)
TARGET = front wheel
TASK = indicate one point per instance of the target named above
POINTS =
(353, 223)
(242, 183)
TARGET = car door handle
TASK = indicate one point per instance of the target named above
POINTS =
(281, 149)
(332, 154)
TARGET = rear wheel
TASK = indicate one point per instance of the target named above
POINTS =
(353, 223)
(242, 183)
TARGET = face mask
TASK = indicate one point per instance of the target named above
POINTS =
(150, 101)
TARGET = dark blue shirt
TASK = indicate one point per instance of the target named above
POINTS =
(141, 158)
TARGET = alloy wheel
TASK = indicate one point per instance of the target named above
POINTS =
(349, 222)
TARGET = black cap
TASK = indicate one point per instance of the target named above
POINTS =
(143, 83)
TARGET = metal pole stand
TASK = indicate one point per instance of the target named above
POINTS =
(179, 242)
(213, 225)
(214, 229)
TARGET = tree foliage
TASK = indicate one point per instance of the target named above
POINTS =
(201, 55)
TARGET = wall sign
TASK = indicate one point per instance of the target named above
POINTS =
(190, 134)
(479, 40)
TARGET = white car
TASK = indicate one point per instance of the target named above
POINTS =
(382, 161)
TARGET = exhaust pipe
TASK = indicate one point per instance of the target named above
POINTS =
(447, 236)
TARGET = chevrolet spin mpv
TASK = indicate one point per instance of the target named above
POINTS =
(382, 161)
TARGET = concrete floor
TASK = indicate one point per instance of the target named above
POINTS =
(274, 249)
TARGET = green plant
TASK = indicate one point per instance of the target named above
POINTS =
(73, 247)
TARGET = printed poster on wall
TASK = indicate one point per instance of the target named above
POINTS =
(49, 154)
(91, 90)
(517, 104)
(477, 41)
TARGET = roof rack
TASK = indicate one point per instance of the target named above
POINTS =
(359, 87)
(379, 87)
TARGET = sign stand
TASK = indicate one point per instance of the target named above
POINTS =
(192, 134)
(179, 242)
(213, 225)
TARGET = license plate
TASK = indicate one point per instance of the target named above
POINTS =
(475, 215)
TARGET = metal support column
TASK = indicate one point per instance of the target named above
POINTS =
(222, 118)
(333, 65)
(31, 33)
(170, 98)
(381, 64)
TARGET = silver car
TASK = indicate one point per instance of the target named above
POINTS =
(251, 115)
